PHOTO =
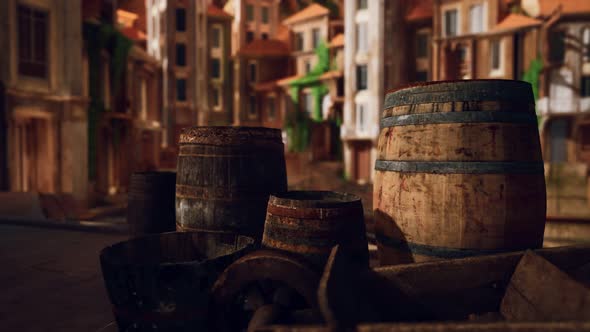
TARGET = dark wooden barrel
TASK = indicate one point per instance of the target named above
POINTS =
(150, 204)
(161, 282)
(310, 223)
(225, 176)
(459, 171)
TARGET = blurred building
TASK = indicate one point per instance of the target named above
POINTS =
(387, 45)
(546, 42)
(44, 108)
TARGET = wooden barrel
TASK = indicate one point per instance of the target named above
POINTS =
(161, 282)
(150, 204)
(459, 171)
(225, 176)
(310, 223)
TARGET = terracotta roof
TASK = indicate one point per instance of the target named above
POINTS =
(420, 10)
(515, 22)
(214, 11)
(569, 7)
(264, 47)
(311, 11)
(288, 79)
(133, 33)
(331, 74)
(337, 41)
(283, 34)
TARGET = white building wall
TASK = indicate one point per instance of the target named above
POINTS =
(372, 97)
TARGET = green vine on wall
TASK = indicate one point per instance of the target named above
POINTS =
(99, 36)
(531, 75)
(298, 123)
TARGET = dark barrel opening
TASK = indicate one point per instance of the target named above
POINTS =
(316, 199)
(174, 248)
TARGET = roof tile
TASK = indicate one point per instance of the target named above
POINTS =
(311, 11)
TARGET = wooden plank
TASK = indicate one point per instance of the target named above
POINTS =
(540, 291)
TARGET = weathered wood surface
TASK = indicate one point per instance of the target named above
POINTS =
(225, 176)
(150, 203)
(539, 291)
(446, 327)
(162, 281)
(350, 293)
(457, 161)
(310, 223)
(453, 289)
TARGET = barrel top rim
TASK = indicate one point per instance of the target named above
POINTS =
(228, 134)
(431, 83)
(310, 198)
(106, 254)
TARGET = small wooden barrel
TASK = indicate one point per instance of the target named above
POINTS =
(150, 204)
(161, 282)
(225, 176)
(310, 223)
(459, 171)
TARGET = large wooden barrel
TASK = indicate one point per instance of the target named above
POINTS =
(150, 203)
(225, 176)
(459, 171)
(162, 282)
(309, 223)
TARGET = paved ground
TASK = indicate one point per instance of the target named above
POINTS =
(51, 280)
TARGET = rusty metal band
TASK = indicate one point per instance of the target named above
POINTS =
(433, 251)
(444, 92)
(135, 315)
(218, 193)
(311, 213)
(459, 117)
(460, 167)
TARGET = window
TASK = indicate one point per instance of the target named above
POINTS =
(361, 36)
(495, 54)
(265, 36)
(271, 108)
(265, 15)
(252, 107)
(451, 23)
(216, 37)
(585, 86)
(421, 76)
(308, 104)
(249, 13)
(307, 67)
(315, 37)
(422, 45)
(362, 4)
(180, 19)
(360, 117)
(299, 41)
(586, 44)
(557, 46)
(180, 55)
(249, 36)
(215, 98)
(476, 18)
(181, 89)
(215, 68)
(361, 77)
(252, 72)
(32, 41)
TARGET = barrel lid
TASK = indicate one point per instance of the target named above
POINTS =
(227, 135)
(460, 90)
(314, 199)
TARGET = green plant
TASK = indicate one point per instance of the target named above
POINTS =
(531, 75)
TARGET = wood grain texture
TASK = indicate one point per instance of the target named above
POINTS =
(225, 176)
(310, 223)
(446, 189)
(539, 291)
